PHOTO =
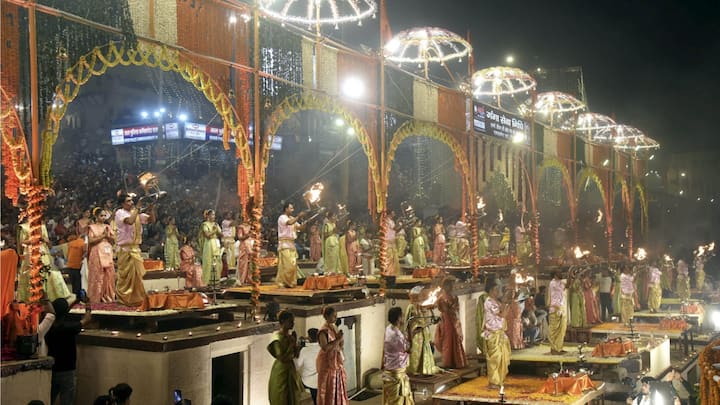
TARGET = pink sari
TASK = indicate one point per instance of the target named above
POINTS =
(193, 271)
(353, 249)
(514, 326)
(448, 334)
(332, 380)
(592, 307)
(315, 243)
(243, 259)
(438, 255)
(101, 268)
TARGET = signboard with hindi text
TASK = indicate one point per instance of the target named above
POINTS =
(195, 131)
(141, 133)
(499, 124)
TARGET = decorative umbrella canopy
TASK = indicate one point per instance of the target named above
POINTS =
(554, 107)
(631, 139)
(319, 12)
(491, 84)
(592, 127)
(426, 44)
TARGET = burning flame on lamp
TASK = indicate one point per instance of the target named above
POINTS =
(520, 279)
(579, 253)
(667, 258)
(480, 203)
(312, 196)
(432, 298)
(500, 216)
(641, 254)
(599, 216)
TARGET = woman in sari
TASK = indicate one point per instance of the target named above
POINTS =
(331, 245)
(101, 268)
(448, 335)
(353, 248)
(418, 245)
(342, 252)
(210, 233)
(172, 247)
(244, 248)
(439, 241)
(82, 224)
(332, 380)
(285, 386)
(419, 320)
(315, 243)
(592, 306)
(188, 265)
(577, 304)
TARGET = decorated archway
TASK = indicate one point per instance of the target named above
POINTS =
(313, 101)
(420, 128)
(549, 165)
(97, 62)
(18, 181)
(589, 176)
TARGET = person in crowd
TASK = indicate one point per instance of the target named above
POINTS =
(683, 280)
(462, 233)
(513, 317)
(342, 251)
(438, 256)
(331, 244)
(647, 396)
(352, 246)
(190, 266)
(315, 243)
(683, 390)
(577, 303)
(209, 238)
(536, 318)
(61, 345)
(74, 252)
(228, 228)
(655, 288)
(396, 384)
(541, 298)
(128, 220)
(531, 327)
(287, 252)
(418, 320)
(54, 283)
(592, 306)
(81, 225)
(101, 268)
(284, 387)
(448, 334)
(418, 244)
(605, 286)
(48, 318)
(497, 342)
(558, 314)
(627, 295)
(117, 395)
(332, 380)
(172, 244)
(401, 243)
(306, 363)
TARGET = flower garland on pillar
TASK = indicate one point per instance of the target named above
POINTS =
(383, 252)
(256, 235)
(35, 196)
(475, 261)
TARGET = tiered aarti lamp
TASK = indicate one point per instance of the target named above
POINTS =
(495, 82)
(424, 45)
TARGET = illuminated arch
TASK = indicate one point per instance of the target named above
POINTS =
(643, 206)
(587, 175)
(420, 128)
(291, 105)
(97, 62)
(552, 162)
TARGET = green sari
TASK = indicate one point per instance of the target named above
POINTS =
(577, 305)
(285, 386)
(421, 356)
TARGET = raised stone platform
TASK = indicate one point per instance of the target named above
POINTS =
(297, 294)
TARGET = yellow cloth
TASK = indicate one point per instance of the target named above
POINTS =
(498, 357)
(287, 267)
(393, 262)
(699, 278)
(627, 309)
(655, 297)
(130, 289)
(556, 332)
(396, 388)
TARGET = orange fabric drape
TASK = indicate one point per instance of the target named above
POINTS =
(571, 385)
(8, 264)
(172, 301)
(613, 349)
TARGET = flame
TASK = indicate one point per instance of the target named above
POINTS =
(700, 251)
(599, 216)
(313, 195)
(432, 298)
(641, 254)
(480, 204)
(711, 247)
(500, 216)
(579, 253)
(667, 258)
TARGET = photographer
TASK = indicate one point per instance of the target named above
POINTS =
(306, 362)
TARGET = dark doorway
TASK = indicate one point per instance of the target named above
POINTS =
(227, 376)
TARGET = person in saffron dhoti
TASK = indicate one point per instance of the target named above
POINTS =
(315, 243)
(558, 313)
(172, 245)
(627, 295)
(497, 342)
(448, 334)
(210, 234)
(287, 252)
(331, 244)
(332, 380)
(190, 266)
(285, 386)
(418, 320)
(655, 293)
(683, 280)
(128, 220)
(438, 256)
(101, 268)
(396, 384)
(418, 245)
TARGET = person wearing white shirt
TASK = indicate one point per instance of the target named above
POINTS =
(45, 325)
(305, 363)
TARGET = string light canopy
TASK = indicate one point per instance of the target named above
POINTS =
(495, 82)
(590, 126)
(631, 139)
(554, 107)
(426, 44)
(319, 12)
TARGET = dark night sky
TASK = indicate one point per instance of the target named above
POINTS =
(652, 64)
